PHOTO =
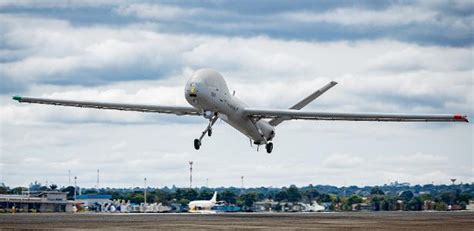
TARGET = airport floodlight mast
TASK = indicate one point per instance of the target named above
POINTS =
(75, 187)
(208, 95)
(97, 185)
(144, 192)
(190, 174)
(241, 184)
(69, 177)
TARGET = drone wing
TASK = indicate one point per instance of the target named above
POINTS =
(112, 106)
(290, 114)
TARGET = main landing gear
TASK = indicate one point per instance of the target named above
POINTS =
(269, 147)
(197, 142)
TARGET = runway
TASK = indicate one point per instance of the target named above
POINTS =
(244, 221)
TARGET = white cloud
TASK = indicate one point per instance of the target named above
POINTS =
(351, 16)
(159, 11)
(59, 4)
(392, 16)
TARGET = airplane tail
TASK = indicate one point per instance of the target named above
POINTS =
(214, 198)
(305, 101)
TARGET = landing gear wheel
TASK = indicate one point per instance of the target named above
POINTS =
(269, 147)
(209, 132)
(197, 144)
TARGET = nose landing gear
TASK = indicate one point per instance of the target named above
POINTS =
(197, 142)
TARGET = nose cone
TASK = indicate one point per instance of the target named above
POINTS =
(199, 87)
(205, 78)
(208, 78)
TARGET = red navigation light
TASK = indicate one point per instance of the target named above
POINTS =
(459, 117)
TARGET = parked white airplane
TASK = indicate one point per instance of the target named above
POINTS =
(315, 207)
(203, 205)
(207, 92)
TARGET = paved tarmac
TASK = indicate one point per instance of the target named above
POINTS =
(243, 221)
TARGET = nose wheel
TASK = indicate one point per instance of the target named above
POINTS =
(197, 144)
(269, 147)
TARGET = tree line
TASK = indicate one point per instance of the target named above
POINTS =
(387, 197)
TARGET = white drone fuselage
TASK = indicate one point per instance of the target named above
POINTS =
(207, 91)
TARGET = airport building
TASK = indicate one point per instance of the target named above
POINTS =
(51, 201)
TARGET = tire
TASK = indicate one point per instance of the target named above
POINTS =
(197, 144)
(269, 147)
(209, 132)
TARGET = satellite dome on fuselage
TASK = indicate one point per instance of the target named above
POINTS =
(210, 78)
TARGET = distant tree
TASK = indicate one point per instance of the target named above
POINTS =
(228, 196)
(137, 198)
(448, 197)
(70, 192)
(183, 202)
(354, 199)
(190, 194)
(415, 204)
(205, 194)
(90, 191)
(376, 191)
(53, 187)
(376, 202)
(281, 195)
(179, 194)
(260, 196)
(162, 196)
(3, 189)
(294, 194)
(248, 199)
(311, 194)
(440, 206)
(464, 197)
(18, 190)
(270, 196)
(324, 197)
(425, 197)
(406, 195)
(388, 204)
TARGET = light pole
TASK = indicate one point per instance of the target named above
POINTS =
(75, 187)
(145, 191)
(190, 174)
(241, 184)
(97, 185)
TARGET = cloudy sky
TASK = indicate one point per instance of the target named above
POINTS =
(414, 57)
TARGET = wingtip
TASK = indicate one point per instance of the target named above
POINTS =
(17, 98)
(462, 118)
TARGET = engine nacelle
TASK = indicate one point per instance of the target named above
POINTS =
(267, 130)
